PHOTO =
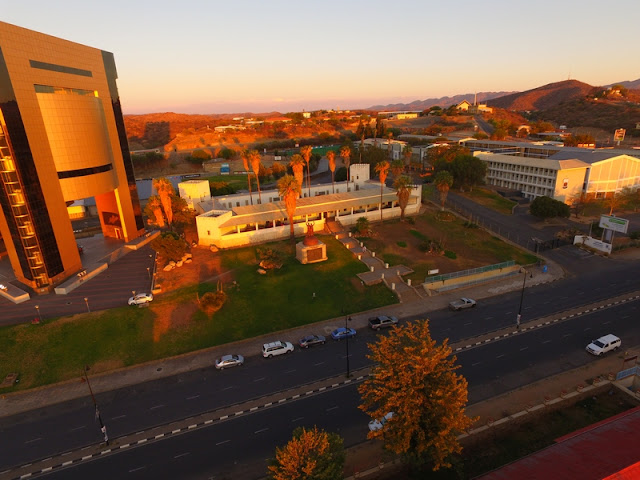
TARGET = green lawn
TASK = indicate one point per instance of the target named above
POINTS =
(238, 182)
(490, 199)
(58, 349)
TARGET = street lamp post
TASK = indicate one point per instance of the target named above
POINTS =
(86, 300)
(103, 427)
(149, 273)
(524, 282)
(39, 314)
(347, 319)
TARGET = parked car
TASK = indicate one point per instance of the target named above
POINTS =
(141, 298)
(276, 348)
(310, 340)
(340, 333)
(382, 321)
(378, 424)
(462, 303)
(228, 361)
(604, 344)
(80, 249)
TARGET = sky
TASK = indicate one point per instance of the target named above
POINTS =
(233, 56)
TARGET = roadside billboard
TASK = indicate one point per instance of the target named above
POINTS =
(614, 223)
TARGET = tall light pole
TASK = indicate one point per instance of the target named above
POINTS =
(347, 319)
(524, 282)
(86, 300)
(103, 427)
(39, 314)
(149, 272)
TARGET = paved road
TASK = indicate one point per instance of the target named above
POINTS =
(240, 446)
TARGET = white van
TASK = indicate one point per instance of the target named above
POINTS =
(604, 344)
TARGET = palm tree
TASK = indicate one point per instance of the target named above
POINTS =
(389, 137)
(306, 154)
(297, 165)
(382, 169)
(345, 154)
(255, 159)
(154, 205)
(331, 156)
(402, 185)
(165, 191)
(407, 153)
(397, 167)
(245, 163)
(289, 190)
(443, 182)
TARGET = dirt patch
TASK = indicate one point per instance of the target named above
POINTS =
(169, 316)
(204, 267)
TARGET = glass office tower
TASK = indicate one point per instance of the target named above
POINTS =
(62, 138)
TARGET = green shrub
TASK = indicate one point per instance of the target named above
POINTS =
(418, 235)
(450, 254)
(470, 225)
(402, 244)
(634, 235)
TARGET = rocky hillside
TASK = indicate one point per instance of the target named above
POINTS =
(443, 102)
(543, 98)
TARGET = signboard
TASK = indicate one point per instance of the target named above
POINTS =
(614, 223)
(433, 272)
(618, 136)
(224, 169)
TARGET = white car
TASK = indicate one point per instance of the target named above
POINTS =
(141, 298)
(604, 344)
(378, 424)
(276, 348)
(228, 361)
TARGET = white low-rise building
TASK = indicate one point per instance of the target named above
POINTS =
(233, 220)
(194, 192)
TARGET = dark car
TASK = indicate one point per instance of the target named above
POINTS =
(340, 333)
(382, 321)
(311, 340)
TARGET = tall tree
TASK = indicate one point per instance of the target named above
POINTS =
(443, 181)
(289, 190)
(407, 153)
(165, 190)
(306, 154)
(402, 185)
(345, 154)
(614, 202)
(397, 167)
(331, 156)
(389, 138)
(382, 169)
(311, 454)
(153, 210)
(245, 163)
(256, 159)
(415, 379)
(297, 165)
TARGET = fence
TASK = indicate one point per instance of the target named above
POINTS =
(472, 271)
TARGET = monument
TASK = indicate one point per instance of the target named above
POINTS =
(311, 250)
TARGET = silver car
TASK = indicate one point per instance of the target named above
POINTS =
(228, 361)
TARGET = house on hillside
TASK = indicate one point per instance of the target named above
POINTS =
(464, 106)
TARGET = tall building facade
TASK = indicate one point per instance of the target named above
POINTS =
(62, 138)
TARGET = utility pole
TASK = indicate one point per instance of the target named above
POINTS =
(103, 427)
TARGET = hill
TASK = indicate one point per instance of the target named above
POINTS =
(441, 102)
(543, 98)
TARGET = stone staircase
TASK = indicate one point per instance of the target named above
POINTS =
(381, 272)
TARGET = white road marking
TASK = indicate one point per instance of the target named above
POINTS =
(606, 323)
(523, 349)
(34, 440)
(547, 341)
(474, 364)
(136, 469)
(290, 371)
(297, 419)
(320, 363)
(156, 406)
(500, 356)
(77, 428)
(566, 335)
(119, 416)
(181, 455)
(224, 441)
(468, 323)
(259, 379)
(260, 431)
(332, 408)
(588, 328)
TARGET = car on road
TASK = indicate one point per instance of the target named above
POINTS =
(228, 361)
(276, 348)
(382, 321)
(463, 302)
(310, 340)
(378, 424)
(604, 344)
(141, 298)
(340, 333)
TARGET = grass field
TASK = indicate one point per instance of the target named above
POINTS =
(58, 349)
(490, 199)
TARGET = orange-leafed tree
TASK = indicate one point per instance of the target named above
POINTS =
(331, 157)
(289, 190)
(382, 169)
(245, 164)
(443, 181)
(415, 378)
(306, 154)
(310, 454)
(402, 185)
(153, 210)
(297, 165)
(165, 191)
(255, 159)
(345, 154)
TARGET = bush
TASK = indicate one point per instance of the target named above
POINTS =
(450, 254)
(547, 207)
(211, 302)
(402, 244)
(470, 225)
(635, 235)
